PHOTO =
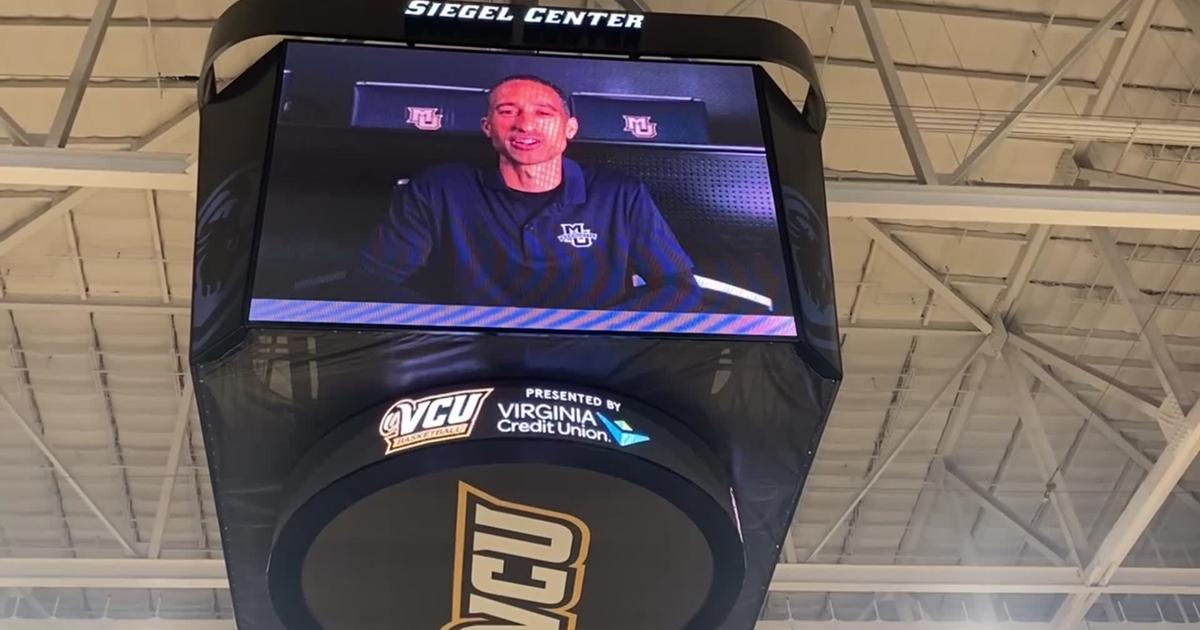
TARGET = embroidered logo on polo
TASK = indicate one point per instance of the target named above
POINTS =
(515, 566)
(577, 235)
(425, 118)
(641, 127)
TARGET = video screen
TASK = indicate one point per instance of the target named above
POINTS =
(474, 190)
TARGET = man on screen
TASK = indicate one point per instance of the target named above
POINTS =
(536, 229)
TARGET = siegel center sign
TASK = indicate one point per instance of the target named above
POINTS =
(529, 15)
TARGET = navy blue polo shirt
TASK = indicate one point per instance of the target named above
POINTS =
(457, 224)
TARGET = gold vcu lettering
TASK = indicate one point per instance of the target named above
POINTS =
(516, 567)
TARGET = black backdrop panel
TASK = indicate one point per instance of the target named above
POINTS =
(759, 406)
(799, 171)
(229, 188)
(639, 510)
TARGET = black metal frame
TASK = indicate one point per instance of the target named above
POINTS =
(671, 35)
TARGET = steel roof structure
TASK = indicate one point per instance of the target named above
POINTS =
(1015, 186)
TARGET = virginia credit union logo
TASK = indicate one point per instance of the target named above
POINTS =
(409, 423)
(515, 566)
(425, 118)
(641, 127)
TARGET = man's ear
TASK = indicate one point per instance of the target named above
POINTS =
(572, 127)
(485, 126)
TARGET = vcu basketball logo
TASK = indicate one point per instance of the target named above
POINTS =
(516, 567)
(409, 423)
(641, 127)
(425, 118)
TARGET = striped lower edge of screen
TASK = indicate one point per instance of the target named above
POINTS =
(511, 317)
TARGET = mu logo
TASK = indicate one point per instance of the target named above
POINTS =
(516, 566)
(425, 118)
(641, 127)
(577, 235)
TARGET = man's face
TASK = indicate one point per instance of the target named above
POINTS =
(528, 123)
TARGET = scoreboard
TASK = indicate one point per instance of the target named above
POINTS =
(507, 315)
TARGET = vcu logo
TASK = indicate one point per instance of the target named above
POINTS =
(409, 423)
(516, 567)
(641, 127)
(425, 118)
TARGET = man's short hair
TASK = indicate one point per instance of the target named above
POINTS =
(536, 79)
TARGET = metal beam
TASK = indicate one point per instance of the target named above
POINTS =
(1099, 422)
(1113, 503)
(989, 501)
(634, 6)
(162, 513)
(946, 386)
(164, 283)
(1113, 75)
(7, 407)
(25, 596)
(1006, 13)
(1043, 454)
(1164, 365)
(149, 83)
(39, 166)
(11, 128)
(1154, 546)
(1039, 92)
(85, 62)
(31, 224)
(1028, 331)
(1125, 180)
(1068, 460)
(960, 72)
(113, 573)
(1191, 14)
(983, 605)
(739, 7)
(972, 383)
(1051, 129)
(190, 574)
(910, 261)
(1181, 451)
(1013, 205)
(908, 330)
(1103, 383)
(899, 201)
(116, 22)
(1018, 279)
(94, 306)
(900, 578)
(910, 133)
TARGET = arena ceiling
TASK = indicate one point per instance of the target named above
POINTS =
(1016, 193)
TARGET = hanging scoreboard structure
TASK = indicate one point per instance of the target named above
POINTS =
(508, 316)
